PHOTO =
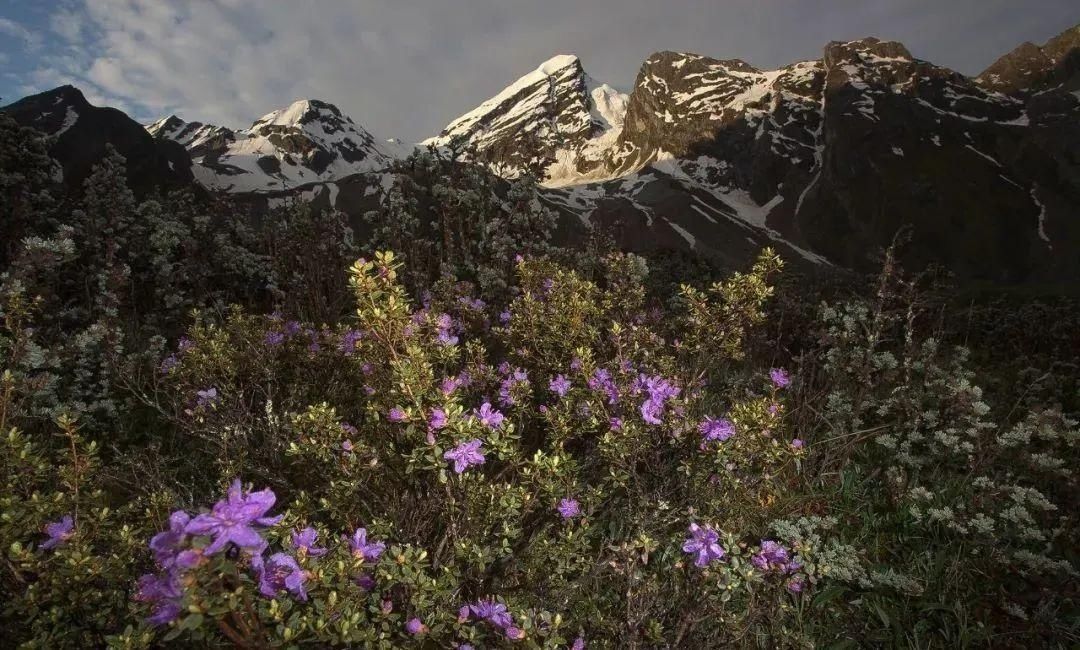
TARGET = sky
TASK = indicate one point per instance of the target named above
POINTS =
(406, 68)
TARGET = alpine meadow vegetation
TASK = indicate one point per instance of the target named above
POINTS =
(455, 433)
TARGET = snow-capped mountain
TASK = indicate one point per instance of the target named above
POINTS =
(825, 159)
(309, 141)
(551, 116)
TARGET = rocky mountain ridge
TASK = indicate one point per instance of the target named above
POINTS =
(826, 159)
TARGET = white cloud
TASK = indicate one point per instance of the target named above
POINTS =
(405, 68)
(32, 40)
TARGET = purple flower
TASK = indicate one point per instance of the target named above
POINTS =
(466, 455)
(795, 584)
(721, 429)
(704, 545)
(773, 556)
(616, 424)
(446, 328)
(232, 520)
(660, 391)
(292, 328)
(365, 582)
(493, 612)
(168, 364)
(602, 380)
(437, 420)
(347, 446)
(569, 508)
(361, 548)
(184, 344)
(560, 385)
(280, 573)
(780, 377)
(274, 338)
(304, 540)
(415, 626)
(798, 443)
(349, 341)
(165, 593)
(515, 633)
(579, 644)
(397, 415)
(504, 317)
(518, 378)
(166, 545)
(59, 532)
(207, 397)
(489, 417)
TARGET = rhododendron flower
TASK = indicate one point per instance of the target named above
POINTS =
(347, 446)
(795, 584)
(616, 424)
(232, 520)
(720, 429)
(569, 508)
(166, 545)
(274, 338)
(504, 317)
(773, 556)
(579, 644)
(493, 612)
(489, 417)
(438, 419)
(280, 573)
(466, 455)
(797, 443)
(59, 532)
(780, 377)
(168, 363)
(304, 540)
(518, 378)
(361, 548)
(560, 386)
(397, 414)
(207, 397)
(349, 341)
(704, 545)
(165, 593)
(415, 626)
(365, 582)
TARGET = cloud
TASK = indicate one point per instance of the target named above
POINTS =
(406, 68)
(31, 40)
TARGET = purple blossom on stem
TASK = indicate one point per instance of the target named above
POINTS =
(349, 341)
(362, 548)
(292, 328)
(164, 593)
(232, 520)
(274, 338)
(304, 541)
(397, 414)
(207, 397)
(415, 626)
(59, 532)
(518, 378)
(446, 328)
(437, 420)
(489, 417)
(704, 545)
(569, 508)
(168, 364)
(798, 443)
(660, 390)
(493, 612)
(466, 455)
(780, 377)
(504, 317)
(579, 644)
(616, 424)
(720, 429)
(347, 446)
(167, 544)
(280, 573)
(795, 584)
(560, 386)
(774, 556)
